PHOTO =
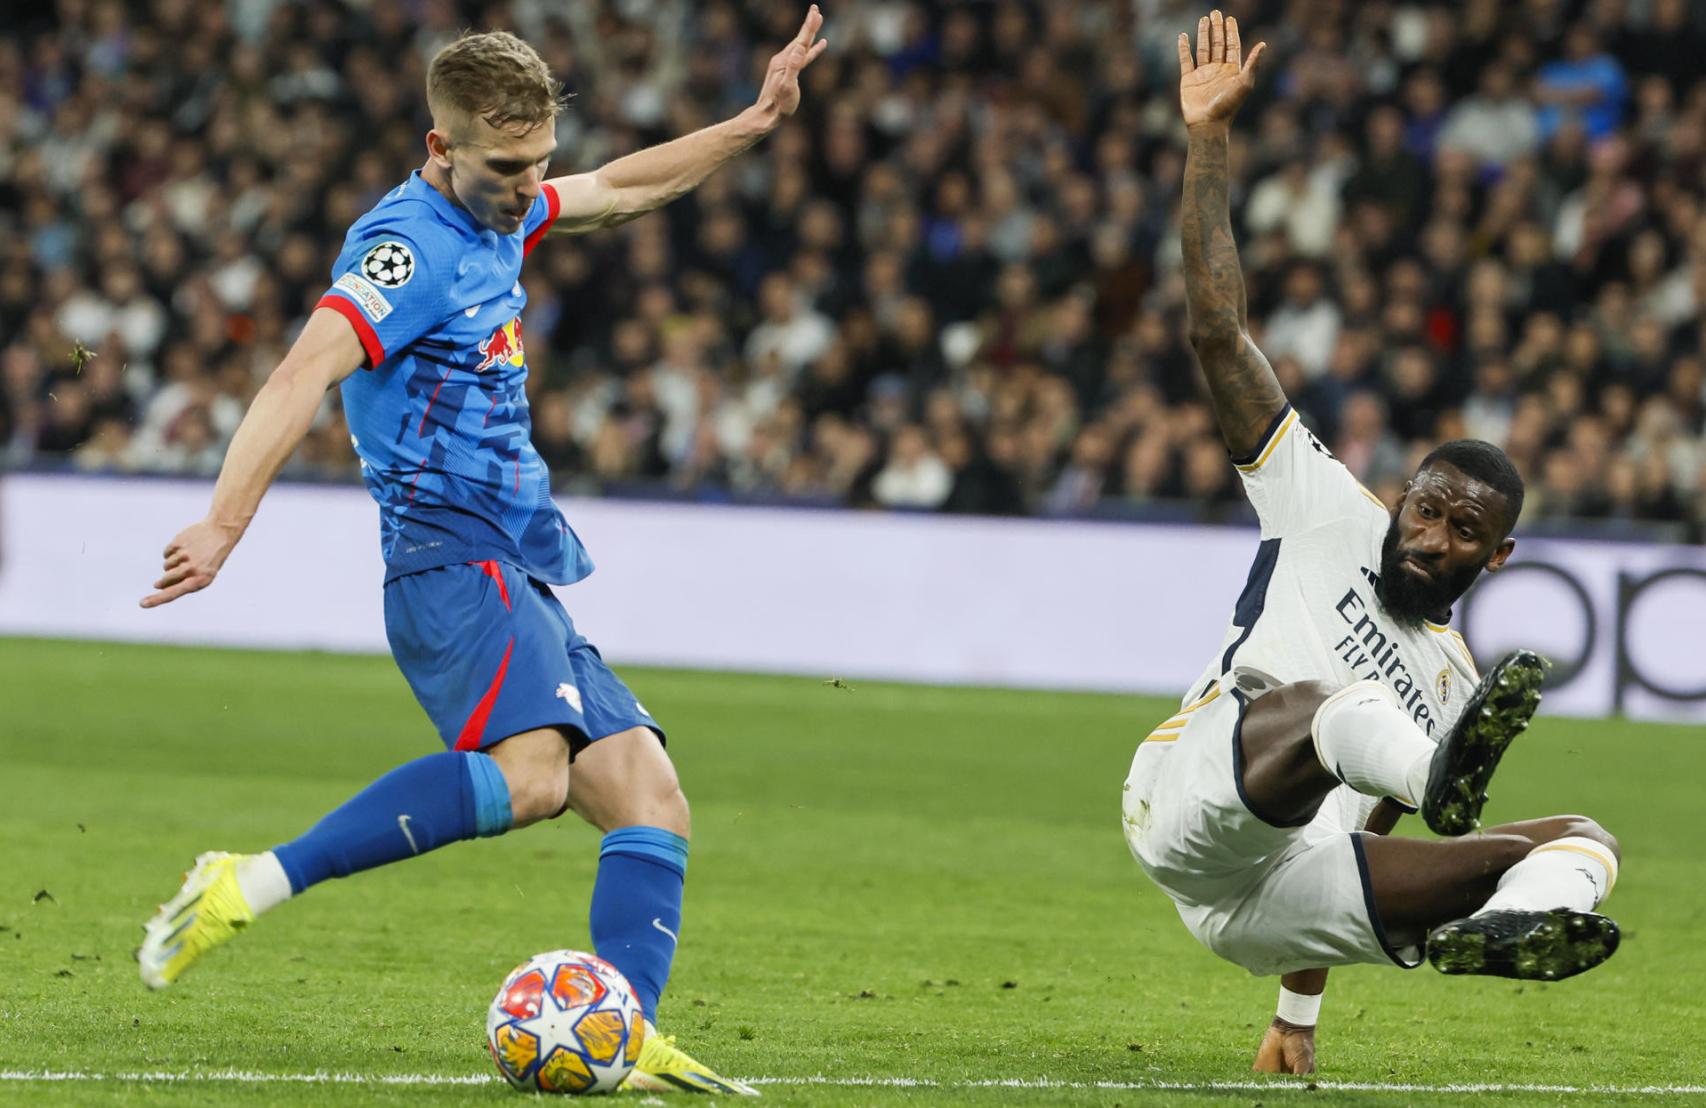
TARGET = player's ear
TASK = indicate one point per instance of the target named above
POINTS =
(1497, 561)
(438, 147)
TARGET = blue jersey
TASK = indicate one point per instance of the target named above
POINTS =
(439, 417)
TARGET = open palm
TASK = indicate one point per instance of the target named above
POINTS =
(1216, 81)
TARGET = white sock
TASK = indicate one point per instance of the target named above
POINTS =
(262, 881)
(1367, 741)
(1573, 872)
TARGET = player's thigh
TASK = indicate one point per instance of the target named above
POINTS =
(1185, 816)
(623, 776)
(485, 652)
(1312, 908)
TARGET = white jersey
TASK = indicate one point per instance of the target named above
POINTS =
(1309, 611)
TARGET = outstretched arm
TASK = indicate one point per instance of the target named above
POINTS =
(325, 353)
(629, 187)
(1242, 385)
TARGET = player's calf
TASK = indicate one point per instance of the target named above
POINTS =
(1540, 923)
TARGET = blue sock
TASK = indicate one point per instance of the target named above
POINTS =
(636, 907)
(419, 806)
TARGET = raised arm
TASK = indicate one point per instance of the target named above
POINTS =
(325, 353)
(629, 187)
(1245, 392)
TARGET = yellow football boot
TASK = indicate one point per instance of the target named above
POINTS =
(664, 1067)
(208, 909)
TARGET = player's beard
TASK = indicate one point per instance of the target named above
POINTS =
(1410, 598)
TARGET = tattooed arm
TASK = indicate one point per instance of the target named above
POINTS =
(1245, 392)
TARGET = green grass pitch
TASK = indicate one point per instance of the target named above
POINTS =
(888, 882)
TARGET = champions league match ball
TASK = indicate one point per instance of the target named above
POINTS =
(565, 1022)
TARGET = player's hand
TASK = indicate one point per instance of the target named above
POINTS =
(193, 560)
(1219, 78)
(781, 92)
(1286, 1048)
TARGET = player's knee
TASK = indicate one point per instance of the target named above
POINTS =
(1589, 828)
(668, 809)
(1310, 695)
(535, 767)
(539, 793)
(657, 801)
(627, 780)
(1281, 720)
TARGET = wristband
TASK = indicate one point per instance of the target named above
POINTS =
(1299, 1009)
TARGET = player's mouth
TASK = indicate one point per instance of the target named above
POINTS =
(1419, 569)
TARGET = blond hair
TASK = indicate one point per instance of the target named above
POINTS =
(494, 76)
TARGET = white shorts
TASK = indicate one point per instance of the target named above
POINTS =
(1271, 899)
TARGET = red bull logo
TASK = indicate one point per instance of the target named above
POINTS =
(504, 345)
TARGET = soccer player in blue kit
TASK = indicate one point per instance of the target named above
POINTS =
(422, 327)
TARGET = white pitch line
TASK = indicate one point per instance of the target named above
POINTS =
(1278, 1085)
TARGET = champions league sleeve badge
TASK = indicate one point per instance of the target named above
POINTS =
(388, 265)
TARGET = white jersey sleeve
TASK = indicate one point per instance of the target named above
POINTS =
(1295, 484)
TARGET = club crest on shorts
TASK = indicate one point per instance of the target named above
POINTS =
(570, 695)
(388, 265)
(1442, 685)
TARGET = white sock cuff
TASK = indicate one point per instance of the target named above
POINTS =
(262, 881)
(1362, 688)
(1590, 848)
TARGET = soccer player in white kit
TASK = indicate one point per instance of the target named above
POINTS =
(1340, 698)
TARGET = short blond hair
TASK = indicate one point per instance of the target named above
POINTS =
(494, 76)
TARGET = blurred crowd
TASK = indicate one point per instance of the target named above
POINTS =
(950, 282)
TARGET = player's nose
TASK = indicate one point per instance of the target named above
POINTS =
(532, 183)
(1431, 539)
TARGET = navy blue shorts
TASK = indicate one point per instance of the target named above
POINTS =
(490, 653)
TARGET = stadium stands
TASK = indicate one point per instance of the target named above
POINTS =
(950, 283)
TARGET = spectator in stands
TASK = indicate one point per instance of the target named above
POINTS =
(955, 286)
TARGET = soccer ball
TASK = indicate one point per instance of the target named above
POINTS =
(565, 1022)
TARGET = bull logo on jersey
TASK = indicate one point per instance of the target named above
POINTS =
(504, 345)
(1442, 685)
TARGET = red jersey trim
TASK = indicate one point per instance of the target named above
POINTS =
(553, 205)
(363, 329)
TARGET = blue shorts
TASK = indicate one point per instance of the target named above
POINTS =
(490, 653)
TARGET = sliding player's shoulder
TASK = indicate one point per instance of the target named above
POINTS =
(1295, 483)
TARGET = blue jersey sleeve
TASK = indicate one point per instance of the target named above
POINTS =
(390, 291)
